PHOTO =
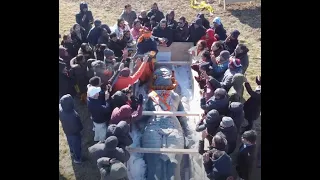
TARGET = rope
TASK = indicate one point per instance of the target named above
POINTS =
(202, 5)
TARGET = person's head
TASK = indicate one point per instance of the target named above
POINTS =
(201, 45)
(113, 36)
(197, 23)
(125, 72)
(85, 47)
(216, 22)
(224, 56)
(217, 45)
(93, 92)
(235, 34)
(170, 15)
(249, 137)
(143, 13)
(163, 23)
(136, 24)
(241, 49)
(204, 67)
(145, 34)
(80, 59)
(220, 93)
(95, 81)
(102, 47)
(97, 23)
(182, 21)
(209, 33)
(76, 27)
(104, 33)
(219, 143)
(226, 122)
(67, 38)
(206, 56)
(120, 23)
(83, 7)
(128, 8)
(234, 63)
(109, 54)
(154, 7)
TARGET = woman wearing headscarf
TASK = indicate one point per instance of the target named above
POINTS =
(120, 27)
(78, 35)
(197, 51)
(171, 23)
(218, 29)
(196, 31)
(84, 18)
(232, 41)
(209, 38)
(205, 22)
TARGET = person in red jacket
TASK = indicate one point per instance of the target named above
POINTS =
(125, 79)
(209, 38)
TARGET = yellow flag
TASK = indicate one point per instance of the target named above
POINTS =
(202, 5)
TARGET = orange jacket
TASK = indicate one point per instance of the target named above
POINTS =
(124, 82)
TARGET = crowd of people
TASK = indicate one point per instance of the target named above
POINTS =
(97, 65)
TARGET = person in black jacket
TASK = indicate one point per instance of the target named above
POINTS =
(162, 31)
(182, 31)
(232, 41)
(116, 45)
(84, 17)
(252, 106)
(220, 32)
(245, 156)
(210, 123)
(196, 30)
(78, 35)
(219, 101)
(171, 23)
(218, 142)
(69, 45)
(99, 113)
(66, 84)
(144, 19)
(100, 51)
(205, 22)
(228, 130)
(104, 37)
(72, 126)
(94, 33)
(155, 12)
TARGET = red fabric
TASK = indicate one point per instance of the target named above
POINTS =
(211, 39)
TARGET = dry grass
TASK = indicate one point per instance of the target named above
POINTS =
(243, 16)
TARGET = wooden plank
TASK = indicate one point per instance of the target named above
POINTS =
(170, 113)
(162, 150)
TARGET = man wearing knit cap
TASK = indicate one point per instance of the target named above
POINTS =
(228, 131)
(234, 67)
(111, 169)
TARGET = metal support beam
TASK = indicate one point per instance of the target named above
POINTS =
(162, 150)
(170, 113)
(173, 62)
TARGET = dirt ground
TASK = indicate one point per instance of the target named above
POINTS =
(245, 17)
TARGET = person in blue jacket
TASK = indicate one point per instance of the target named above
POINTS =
(71, 125)
(94, 33)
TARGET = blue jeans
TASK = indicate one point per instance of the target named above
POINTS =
(75, 146)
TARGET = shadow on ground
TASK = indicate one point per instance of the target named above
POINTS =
(61, 177)
(247, 15)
